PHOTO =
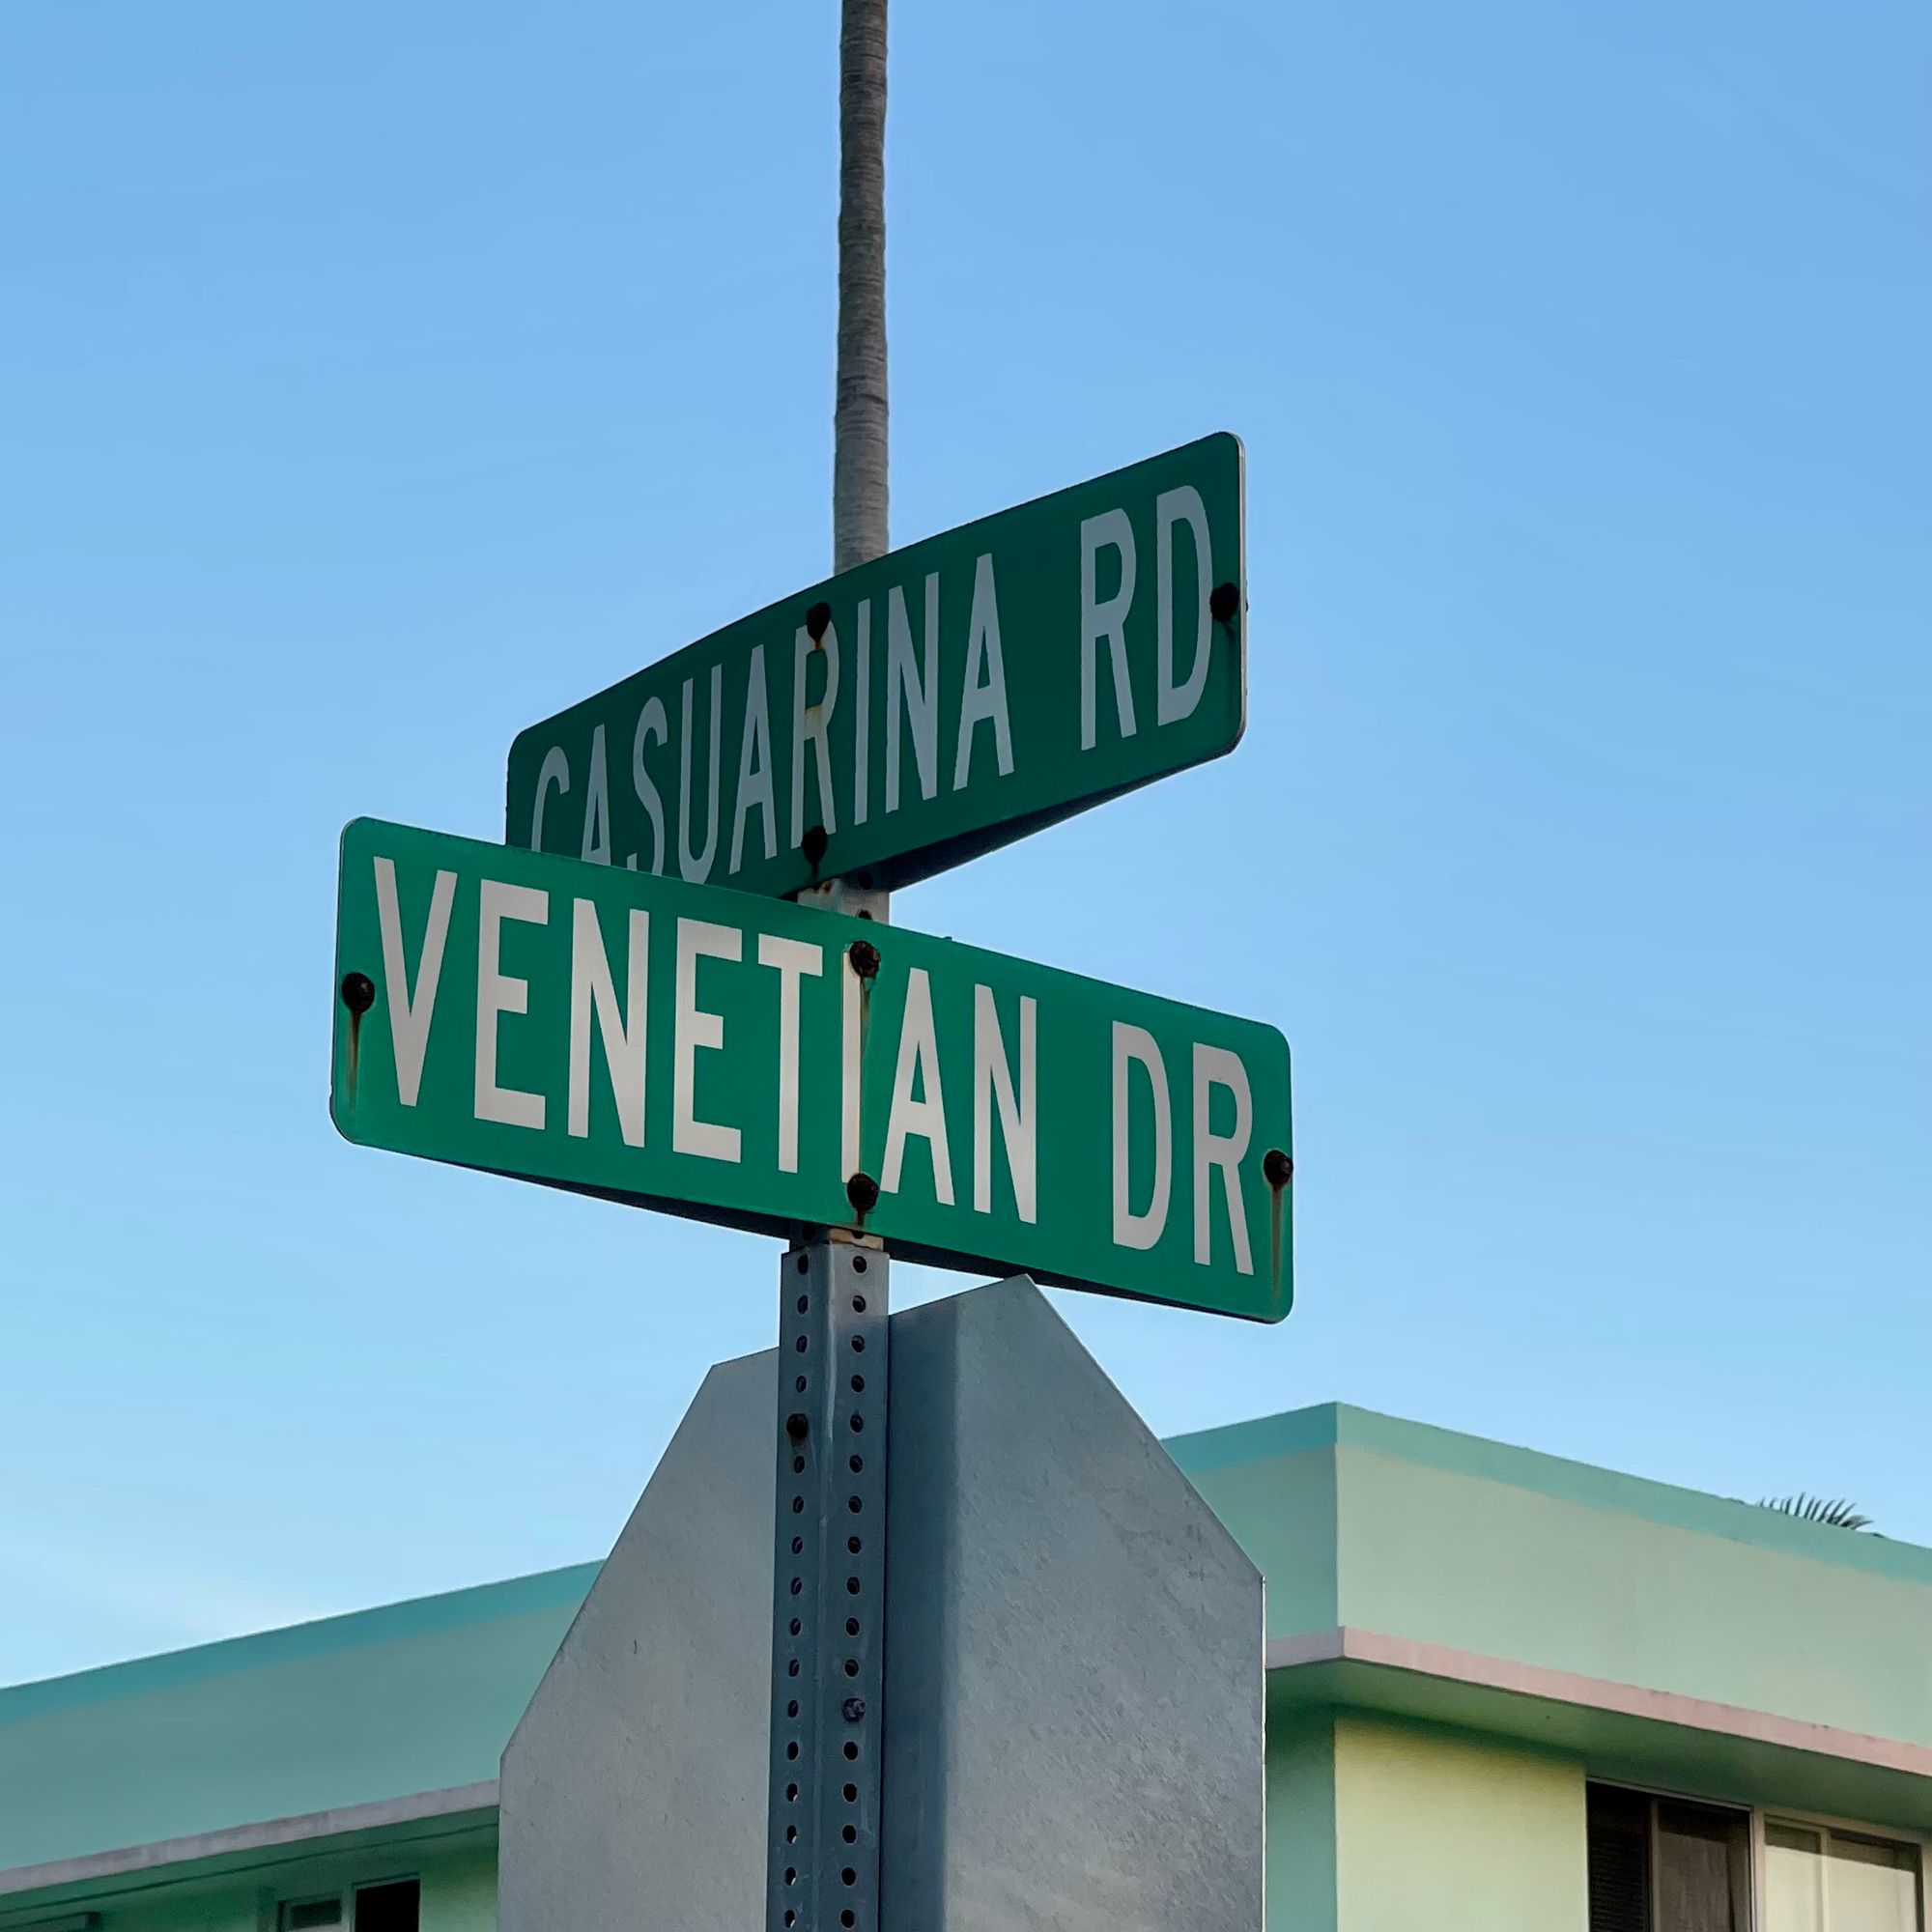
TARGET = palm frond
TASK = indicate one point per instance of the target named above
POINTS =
(1835, 1511)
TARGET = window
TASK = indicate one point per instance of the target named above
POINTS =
(312, 1915)
(1661, 1865)
(391, 1906)
(1817, 1880)
(387, 1908)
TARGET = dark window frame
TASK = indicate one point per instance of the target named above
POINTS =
(1614, 1903)
(347, 1899)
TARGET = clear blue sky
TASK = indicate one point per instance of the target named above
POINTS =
(375, 380)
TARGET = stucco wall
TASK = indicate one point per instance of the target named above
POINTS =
(1300, 1823)
(1509, 1571)
(1453, 1835)
(385, 1703)
(459, 1889)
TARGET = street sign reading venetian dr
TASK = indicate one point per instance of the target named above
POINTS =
(929, 705)
(766, 1065)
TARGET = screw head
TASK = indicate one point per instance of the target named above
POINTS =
(812, 844)
(1277, 1168)
(798, 1425)
(1223, 601)
(854, 1710)
(817, 620)
(359, 993)
(864, 958)
(863, 1191)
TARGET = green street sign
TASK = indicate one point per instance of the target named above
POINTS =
(762, 1064)
(930, 706)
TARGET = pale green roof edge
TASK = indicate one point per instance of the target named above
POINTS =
(415, 1616)
(1335, 1424)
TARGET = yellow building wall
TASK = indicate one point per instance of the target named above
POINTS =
(1435, 1833)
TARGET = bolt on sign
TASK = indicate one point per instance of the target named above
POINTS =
(761, 1063)
(929, 705)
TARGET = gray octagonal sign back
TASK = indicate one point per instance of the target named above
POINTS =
(1074, 1654)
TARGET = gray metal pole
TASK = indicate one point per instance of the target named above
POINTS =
(859, 498)
(829, 1516)
(829, 1589)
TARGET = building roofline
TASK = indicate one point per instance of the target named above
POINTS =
(1338, 1425)
(93, 1868)
(353, 1630)
(1350, 1644)
(1321, 1426)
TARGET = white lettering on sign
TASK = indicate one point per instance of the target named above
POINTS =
(1105, 617)
(993, 1087)
(790, 958)
(1175, 701)
(694, 1027)
(652, 724)
(862, 719)
(409, 1013)
(596, 846)
(621, 1029)
(912, 691)
(555, 772)
(1216, 1066)
(498, 993)
(809, 724)
(1135, 1046)
(925, 1115)
(754, 779)
(982, 696)
(851, 1070)
(694, 865)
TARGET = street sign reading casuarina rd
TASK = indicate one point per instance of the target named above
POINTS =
(767, 1064)
(927, 707)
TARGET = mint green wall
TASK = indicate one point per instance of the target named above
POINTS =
(413, 1697)
(236, 1907)
(460, 1892)
(1300, 1887)
(1281, 1508)
(1393, 1527)
(1440, 1834)
(1354, 1518)
(1509, 1571)
(458, 1872)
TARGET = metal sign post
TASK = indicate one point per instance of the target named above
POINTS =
(828, 1587)
(1074, 1645)
(829, 1562)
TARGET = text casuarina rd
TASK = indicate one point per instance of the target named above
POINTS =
(929, 705)
(720, 1055)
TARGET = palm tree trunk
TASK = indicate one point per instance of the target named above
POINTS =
(859, 417)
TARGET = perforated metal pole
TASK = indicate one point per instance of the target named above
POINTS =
(829, 1566)
(827, 1647)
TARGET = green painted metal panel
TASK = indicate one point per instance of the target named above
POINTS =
(934, 703)
(754, 1062)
